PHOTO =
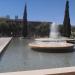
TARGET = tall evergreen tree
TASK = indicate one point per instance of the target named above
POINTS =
(66, 22)
(25, 29)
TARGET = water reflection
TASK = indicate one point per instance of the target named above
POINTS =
(19, 57)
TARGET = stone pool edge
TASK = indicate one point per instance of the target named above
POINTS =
(55, 71)
(6, 43)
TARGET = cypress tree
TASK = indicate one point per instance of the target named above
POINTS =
(66, 22)
(25, 31)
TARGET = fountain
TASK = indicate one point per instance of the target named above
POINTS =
(55, 43)
(54, 31)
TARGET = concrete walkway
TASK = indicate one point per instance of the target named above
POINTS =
(4, 42)
(56, 71)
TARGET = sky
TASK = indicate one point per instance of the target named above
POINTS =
(38, 10)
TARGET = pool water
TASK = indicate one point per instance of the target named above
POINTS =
(19, 57)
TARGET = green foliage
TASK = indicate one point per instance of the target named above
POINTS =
(73, 28)
(3, 27)
(25, 28)
(66, 23)
(10, 29)
(61, 29)
(39, 29)
(44, 29)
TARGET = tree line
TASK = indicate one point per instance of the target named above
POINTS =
(36, 29)
(9, 29)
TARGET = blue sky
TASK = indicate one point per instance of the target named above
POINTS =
(38, 10)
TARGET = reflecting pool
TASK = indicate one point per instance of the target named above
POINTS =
(19, 57)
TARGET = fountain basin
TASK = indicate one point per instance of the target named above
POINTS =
(61, 39)
(52, 46)
(55, 43)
